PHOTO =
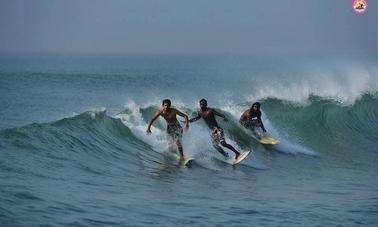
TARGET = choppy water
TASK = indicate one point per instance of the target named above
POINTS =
(73, 149)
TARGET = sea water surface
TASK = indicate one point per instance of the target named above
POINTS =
(73, 148)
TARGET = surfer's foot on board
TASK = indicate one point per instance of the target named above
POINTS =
(237, 155)
(182, 159)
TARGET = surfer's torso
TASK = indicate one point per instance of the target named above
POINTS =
(169, 115)
(209, 117)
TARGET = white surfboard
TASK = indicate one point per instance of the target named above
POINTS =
(241, 157)
(188, 160)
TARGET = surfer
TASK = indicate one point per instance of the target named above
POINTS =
(217, 135)
(251, 118)
(174, 129)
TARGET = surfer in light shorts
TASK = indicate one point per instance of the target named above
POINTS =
(217, 135)
(174, 129)
(251, 118)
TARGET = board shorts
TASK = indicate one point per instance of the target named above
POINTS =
(217, 135)
(174, 131)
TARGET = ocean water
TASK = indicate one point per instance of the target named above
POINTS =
(73, 148)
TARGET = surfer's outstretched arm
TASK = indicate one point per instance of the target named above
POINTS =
(154, 117)
(195, 119)
(184, 116)
(220, 115)
(262, 125)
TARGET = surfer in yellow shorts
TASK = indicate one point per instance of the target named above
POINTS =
(174, 129)
(217, 135)
(251, 118)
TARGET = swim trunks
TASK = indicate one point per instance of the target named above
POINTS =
(217, 135)
(174, 131)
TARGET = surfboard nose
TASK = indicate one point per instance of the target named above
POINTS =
(241, 157)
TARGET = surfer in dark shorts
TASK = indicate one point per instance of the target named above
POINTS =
(251, 118)
(174, 129)
(217, 135)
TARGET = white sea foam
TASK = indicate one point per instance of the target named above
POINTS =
(340, 81)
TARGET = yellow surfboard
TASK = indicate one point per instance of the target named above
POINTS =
(266, 139)
(263, 137)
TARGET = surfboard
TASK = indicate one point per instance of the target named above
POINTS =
(264, 138)
(188, 162)
(241, 157)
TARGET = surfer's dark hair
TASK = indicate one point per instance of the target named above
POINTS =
(257, 104)
(204, 101)
(166, 101)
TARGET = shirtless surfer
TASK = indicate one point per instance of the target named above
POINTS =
(251, 118)
(217, 136)
(174, 129)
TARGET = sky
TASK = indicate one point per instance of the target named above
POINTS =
(178, 26)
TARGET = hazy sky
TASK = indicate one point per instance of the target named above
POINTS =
(190, 26)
